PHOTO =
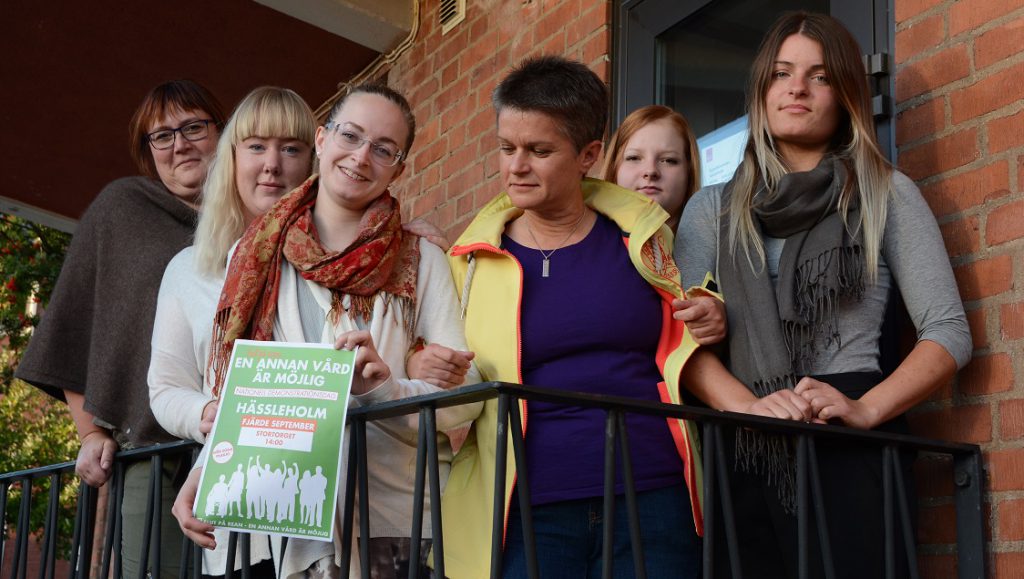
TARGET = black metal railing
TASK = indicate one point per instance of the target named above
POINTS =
(84, 524)
(720, 518)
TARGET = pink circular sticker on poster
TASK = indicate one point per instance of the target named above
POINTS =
(223, 452)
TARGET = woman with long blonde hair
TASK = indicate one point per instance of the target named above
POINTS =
(330, 263)
(265, 150)
(809, 241)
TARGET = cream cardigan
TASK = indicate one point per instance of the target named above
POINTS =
(391, 444)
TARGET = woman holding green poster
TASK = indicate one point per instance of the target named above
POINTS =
(266, 149)
(330, 263)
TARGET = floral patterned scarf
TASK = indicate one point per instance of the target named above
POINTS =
(383, 260)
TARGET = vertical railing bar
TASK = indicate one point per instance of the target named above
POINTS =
(158, 511)
(708, 549)
(76, 534)
(116, 504)
(25, 515)
(802, 519)
(364, 500)
(44, 551)
(523, 492)
(4, 487)
(418, 495)
(119, 527)
(147, 529)
(348, 521)
(821, 516)
(608, 519)
(246, 549)
(229, 560)
(113, 525)
(905, 522)
(728, 516)
(17, 535)
(436, 530)
(970, 535)
(183, 560)
(500, 469)
(189, 550)
(632, 509)
(51, 552)
(197, 560)
(888, 513)
(90, 514)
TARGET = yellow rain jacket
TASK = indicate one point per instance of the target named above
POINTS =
(490, 281)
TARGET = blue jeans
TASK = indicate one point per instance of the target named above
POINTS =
(569, 536)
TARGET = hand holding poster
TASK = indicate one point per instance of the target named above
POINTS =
(275, 448)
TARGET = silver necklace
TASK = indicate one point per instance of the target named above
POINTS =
(546, 264)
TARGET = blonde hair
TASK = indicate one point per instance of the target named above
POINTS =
(265, 112)
(869, 175)
(639, 119)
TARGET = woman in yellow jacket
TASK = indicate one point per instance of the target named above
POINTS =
(569, 283)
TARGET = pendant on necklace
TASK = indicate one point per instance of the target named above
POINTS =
(545, 270)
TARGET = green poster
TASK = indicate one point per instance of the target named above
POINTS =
(274, 455)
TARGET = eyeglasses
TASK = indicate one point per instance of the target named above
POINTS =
(193, 131)
(384, 154)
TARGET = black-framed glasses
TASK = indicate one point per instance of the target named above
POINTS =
(384, 154)
(191, 131)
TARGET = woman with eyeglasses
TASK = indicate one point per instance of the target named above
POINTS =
(92, 345)
(265, 151)
(343, 271)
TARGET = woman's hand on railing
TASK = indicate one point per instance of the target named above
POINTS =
(96, 458)
(371, 370)
(441, 366)
(199, 532)
(704, 316)
(828, 403)
(785, 404)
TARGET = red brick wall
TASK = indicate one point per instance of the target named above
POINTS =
(960, 132)
(449, 79)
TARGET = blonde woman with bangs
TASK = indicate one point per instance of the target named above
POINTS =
(232, 199)
(265, 150)
(809, 241)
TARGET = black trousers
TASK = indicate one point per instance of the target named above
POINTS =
(852, 485)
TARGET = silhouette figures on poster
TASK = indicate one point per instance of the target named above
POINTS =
(270, 494)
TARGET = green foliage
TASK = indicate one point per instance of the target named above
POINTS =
(37, 430)
(39, 433)
(30, 259)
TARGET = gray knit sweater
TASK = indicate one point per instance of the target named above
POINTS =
(913, 258)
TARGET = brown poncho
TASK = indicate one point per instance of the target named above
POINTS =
(94, 337)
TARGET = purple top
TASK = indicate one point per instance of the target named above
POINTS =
(592, 326)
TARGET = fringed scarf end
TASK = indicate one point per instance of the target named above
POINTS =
(769, 455)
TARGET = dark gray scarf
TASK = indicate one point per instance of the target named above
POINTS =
(773, 332)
